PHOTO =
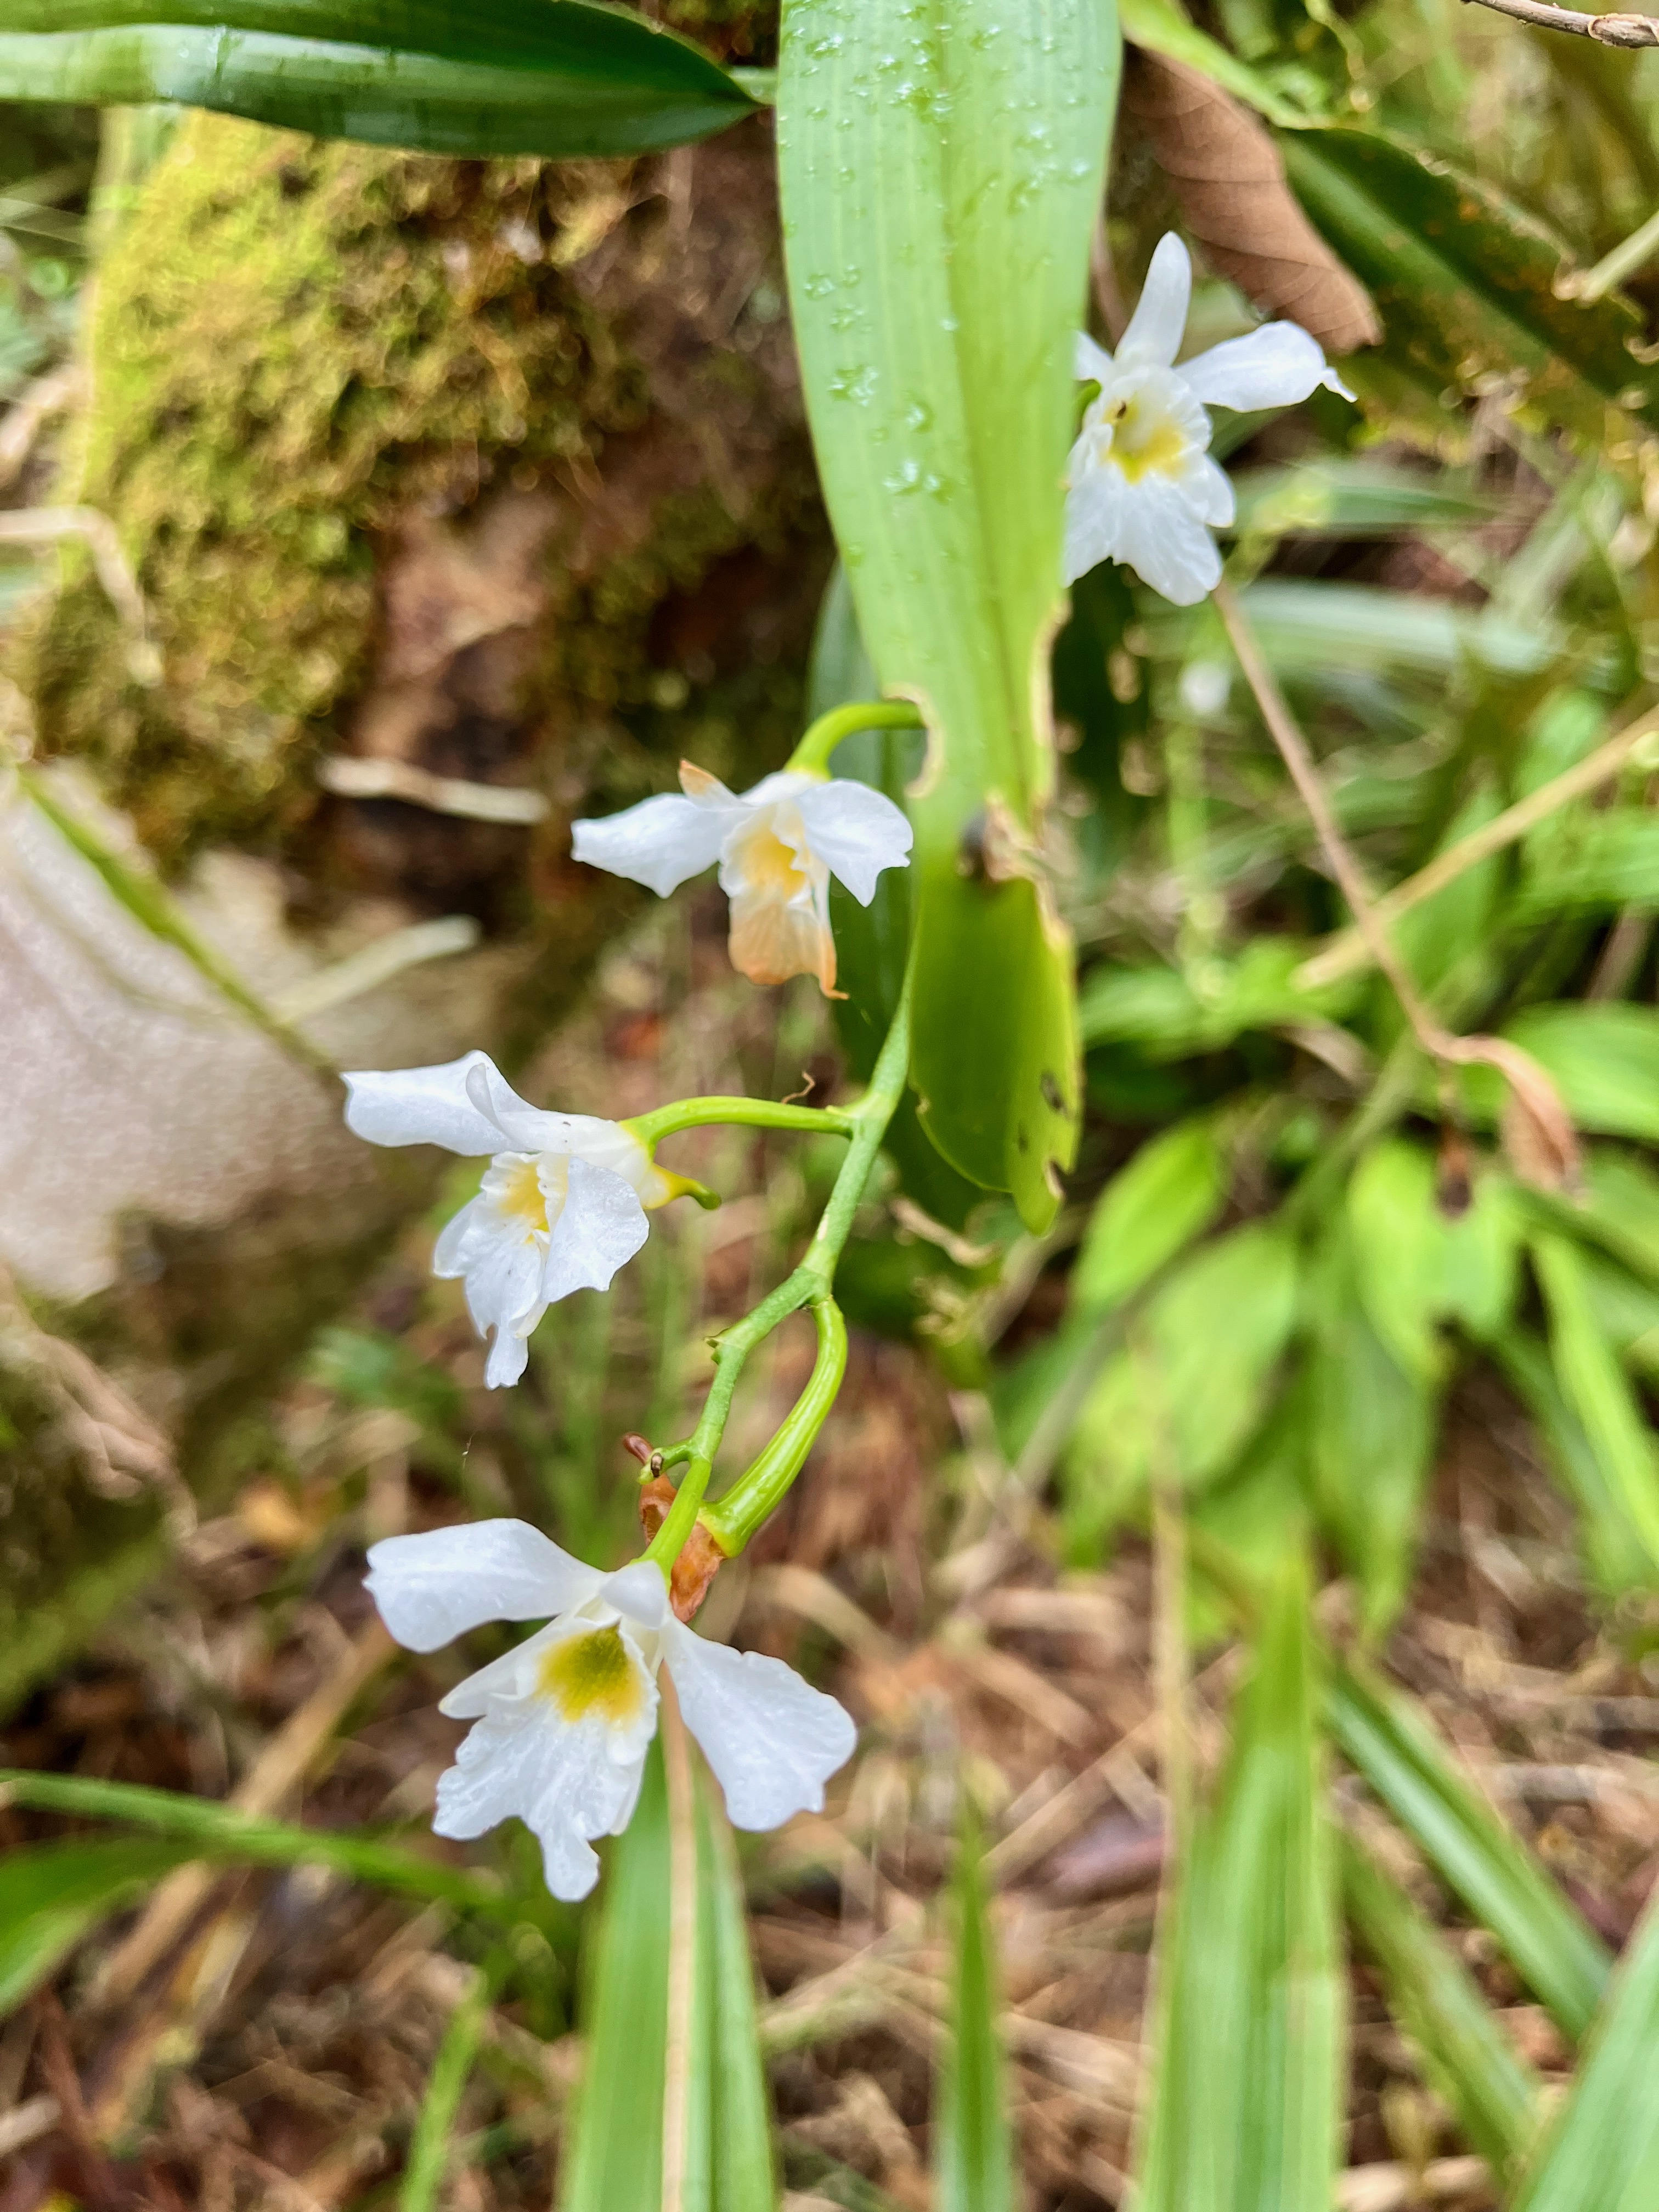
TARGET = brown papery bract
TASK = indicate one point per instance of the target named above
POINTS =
(1235, 200)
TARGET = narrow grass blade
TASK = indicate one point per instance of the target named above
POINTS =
(742, 2178)
(213, 1831)
(51, 1894)
(1602, 2154)
(1435, 2000)
(1390, 1741)
(1248, 2058)
(973, 2150)
(613, 2153)
(429, 2146)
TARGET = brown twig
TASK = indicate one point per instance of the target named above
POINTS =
(1551, 1143)
(1606, 30)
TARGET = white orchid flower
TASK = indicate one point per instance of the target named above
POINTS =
(563, 1204)
(1140, 485)
(777, 846)
(565, 1719)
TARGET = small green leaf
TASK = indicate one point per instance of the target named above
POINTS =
(562, 79)
(1391, 1743)
(941, 167)
(1170, 1193)
(1463, 280)
(1437, 2002)
(54, 1894)
(1595, 1387)
(1248, 2047)
(972, 2148)
(1602, 2153)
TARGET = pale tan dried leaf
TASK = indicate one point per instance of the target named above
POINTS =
(1231, 186)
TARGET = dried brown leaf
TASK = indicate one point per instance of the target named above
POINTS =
(1229, 183)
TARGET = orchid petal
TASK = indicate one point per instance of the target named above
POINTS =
(600, 1225)
(1094, 516)
(772, 1740)
(662, 843)
(568, 1783)
(422, 1106)
(434, 1587)
(1168, 547)
(1274, 366)
(856, 832)
(1156, 327)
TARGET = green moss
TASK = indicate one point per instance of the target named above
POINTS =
(292, 344)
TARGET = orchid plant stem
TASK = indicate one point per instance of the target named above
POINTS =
(811, 1284)
(811, 756)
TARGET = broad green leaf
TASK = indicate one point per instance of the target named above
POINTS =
(1168, 1194)
(1390, 1739)
(53, 1894)
(972, 2148)
(1430, 1992)
(1602, 2153)
(430, 2146)
(562, 78)
(1248, 2050)
(1598, 1391)
(613, 2143)
(220, 1831)
(1373, 1420)
(941, 166)
(1464, 280)
(1617, 1557)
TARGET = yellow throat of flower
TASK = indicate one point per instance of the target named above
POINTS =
(1145, 441)
(592, 1673)
(769, 864)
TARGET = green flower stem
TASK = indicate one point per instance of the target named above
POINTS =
(733, 1519)
(812, 754)
(810, 1283)
(751, 1113)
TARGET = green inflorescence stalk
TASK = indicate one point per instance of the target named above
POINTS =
(811, 1284)
(811, 756)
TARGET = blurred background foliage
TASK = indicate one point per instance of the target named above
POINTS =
(1309, 1315)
